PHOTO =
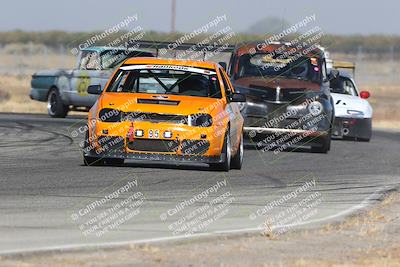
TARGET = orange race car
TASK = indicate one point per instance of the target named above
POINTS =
(166, 110)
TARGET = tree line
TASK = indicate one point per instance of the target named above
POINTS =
(378, 44)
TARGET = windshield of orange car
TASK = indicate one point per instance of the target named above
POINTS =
(264, 64)
(166, 79)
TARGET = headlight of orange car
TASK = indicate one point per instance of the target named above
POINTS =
(110, 115)
(201, 120)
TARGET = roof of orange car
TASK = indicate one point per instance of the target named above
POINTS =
(162, 61)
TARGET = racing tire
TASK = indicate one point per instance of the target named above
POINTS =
(366, 137)
(55, 106)
(330, 138)
(237, 160)
(325, 144)
(330, 131)
(225, 165)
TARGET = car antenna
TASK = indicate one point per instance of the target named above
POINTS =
(282, 20)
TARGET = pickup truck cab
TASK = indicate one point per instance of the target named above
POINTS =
(65, 90)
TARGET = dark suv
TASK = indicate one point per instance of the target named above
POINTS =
(288, 97)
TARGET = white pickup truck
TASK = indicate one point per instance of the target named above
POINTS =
(65, 90)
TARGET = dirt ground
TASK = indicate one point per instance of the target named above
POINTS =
(371, 238)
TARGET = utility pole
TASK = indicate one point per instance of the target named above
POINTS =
(173, 15)
(392, 64)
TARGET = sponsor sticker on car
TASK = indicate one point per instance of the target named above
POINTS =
(168, 67)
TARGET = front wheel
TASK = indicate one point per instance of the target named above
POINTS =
(324, 145)
(366, 137)
(237, 160)
(55, 106)
(225, 165)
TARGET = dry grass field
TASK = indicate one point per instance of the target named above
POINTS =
(14, 91)
(381, 76)
(17, 64)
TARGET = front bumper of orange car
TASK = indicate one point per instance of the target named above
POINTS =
(143, 140)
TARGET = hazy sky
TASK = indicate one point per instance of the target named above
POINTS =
(339, 16)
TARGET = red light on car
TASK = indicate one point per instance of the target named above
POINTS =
(365, 94)
(131, 133)
(314, 61)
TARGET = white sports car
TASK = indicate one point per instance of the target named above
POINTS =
(353, 113)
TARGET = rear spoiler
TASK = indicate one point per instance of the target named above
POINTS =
(345, 65)
(174, 46)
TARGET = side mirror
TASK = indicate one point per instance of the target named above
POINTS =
(223, 65)
(94, 89)
(333, 74)
(365, 94)
(237, 97)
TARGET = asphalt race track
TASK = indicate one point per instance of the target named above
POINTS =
(44, 186)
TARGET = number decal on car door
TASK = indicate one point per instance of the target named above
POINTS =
(83, 83)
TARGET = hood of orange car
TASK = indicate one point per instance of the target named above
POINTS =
(163, 104)
(283, 83)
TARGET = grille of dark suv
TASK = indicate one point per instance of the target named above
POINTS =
(286, 95)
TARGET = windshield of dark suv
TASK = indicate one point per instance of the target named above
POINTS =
(176, 81)
(264, 64)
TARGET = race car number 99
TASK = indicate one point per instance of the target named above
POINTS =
(153, 133)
